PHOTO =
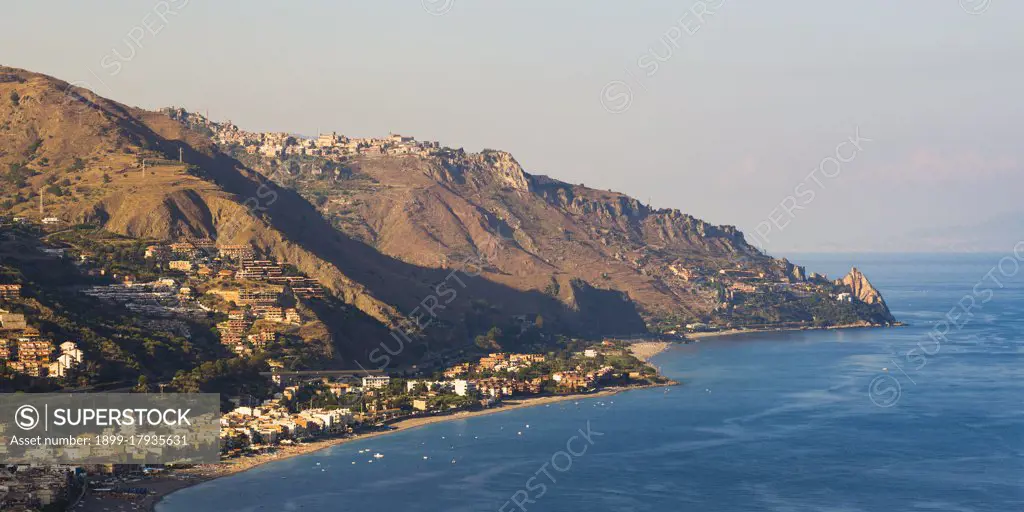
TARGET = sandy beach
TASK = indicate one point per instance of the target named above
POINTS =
(163, 485)
(645, 350)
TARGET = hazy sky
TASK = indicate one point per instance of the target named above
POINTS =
(730, 116)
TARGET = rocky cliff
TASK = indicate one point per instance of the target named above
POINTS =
(860, 287)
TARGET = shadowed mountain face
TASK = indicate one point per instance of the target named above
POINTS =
(538, 233)
(452, 242)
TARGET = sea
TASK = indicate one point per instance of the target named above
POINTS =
(926, 417)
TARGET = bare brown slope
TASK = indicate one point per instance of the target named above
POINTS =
(538, 233)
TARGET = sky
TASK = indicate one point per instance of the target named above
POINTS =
(812, 125)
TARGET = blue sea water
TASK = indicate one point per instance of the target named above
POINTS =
(793, 421)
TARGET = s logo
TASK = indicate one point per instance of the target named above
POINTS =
(26, 417)
(884, 391)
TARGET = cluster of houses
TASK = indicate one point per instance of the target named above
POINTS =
(575, 380)
(275, 145)
(255, 292)
(379, 398)
(738, 281)
(271, 423)
(490, 389)
(29, 487)
(160, 298)
(495, 362)
(279, 144)
(205, 260)
(24, 351)
(255, 287)
(489, 383)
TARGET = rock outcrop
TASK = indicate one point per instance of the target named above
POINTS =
(860, 287)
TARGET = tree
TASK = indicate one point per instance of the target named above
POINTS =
(143, 384)
(15, 98)
(553, 287)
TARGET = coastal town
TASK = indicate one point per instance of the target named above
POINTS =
(254, 305)
(318, 406)
(311, 411)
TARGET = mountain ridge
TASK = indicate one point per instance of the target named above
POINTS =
(383, 226)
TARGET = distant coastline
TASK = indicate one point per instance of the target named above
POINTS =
(733, 332)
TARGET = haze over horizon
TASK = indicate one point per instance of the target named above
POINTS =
(719, 115)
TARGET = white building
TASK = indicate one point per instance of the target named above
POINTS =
(57, 370)
(590, 353)
(463, 387)
(332, 420)
(410, 385)
(376, 381)
(70, 357)
(70, 349)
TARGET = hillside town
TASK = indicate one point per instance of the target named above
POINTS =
(254, 302)
(331, 146)
(23, 350)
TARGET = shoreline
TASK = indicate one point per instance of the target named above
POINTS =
(733, 332)
(179, 479)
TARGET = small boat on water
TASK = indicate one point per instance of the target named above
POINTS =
(378, 456)
(453, 461)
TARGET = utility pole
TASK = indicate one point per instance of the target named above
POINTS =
(143, 166)
(180, 152)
